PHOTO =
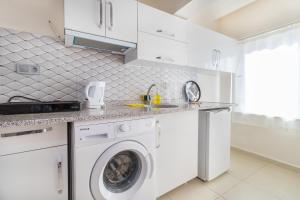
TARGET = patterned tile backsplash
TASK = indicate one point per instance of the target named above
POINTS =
(65, 71)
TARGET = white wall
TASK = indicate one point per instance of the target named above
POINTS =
(33, 15)
(277, 144)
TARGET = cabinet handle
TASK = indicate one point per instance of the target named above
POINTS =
(165, 59)
(15, 134)
(165, 33)
(219, 58)
(214, 57)
(111, 15)
(60, 183)
(101, 13)
(158, 134)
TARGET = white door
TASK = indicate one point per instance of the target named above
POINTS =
(121, 20)
(162, 24)
(160, 49)
(35, 175)
(121, 171)
(85, 16)
(177, 155)
(218, 152)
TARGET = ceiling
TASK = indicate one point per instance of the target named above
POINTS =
(170, 6)
(214, 8)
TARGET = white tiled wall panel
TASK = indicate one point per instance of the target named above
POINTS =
(65, 71)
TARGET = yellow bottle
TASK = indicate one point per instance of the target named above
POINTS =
(156, 99)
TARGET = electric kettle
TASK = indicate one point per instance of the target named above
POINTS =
(94, 94)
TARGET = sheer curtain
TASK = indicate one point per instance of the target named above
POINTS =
(267, 81)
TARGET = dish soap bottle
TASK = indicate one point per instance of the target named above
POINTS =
(156, 98)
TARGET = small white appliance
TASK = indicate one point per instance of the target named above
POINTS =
(114, 160)
(214, 143)
(94, 94)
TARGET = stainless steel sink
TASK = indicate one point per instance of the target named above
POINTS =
(164, 106)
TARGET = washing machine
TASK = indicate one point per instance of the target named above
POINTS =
(114, 160)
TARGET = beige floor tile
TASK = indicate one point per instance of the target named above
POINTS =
(164, 197)
(244, 191)
(194, 190)
(278, 181)
(243, 165)
(223, 183)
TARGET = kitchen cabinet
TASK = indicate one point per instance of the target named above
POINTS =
(161, 24)
(34, 163)
(116, 19)
(159, 49)
(161, 38)
(211, 50)
(177, 153)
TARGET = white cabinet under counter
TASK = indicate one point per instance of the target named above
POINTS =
(177, 153)
(34, 163)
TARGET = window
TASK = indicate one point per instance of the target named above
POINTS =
(267, 82)
(272, 82)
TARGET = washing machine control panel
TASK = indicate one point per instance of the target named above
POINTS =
(134, 127)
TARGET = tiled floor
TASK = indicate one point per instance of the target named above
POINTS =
(248, 179)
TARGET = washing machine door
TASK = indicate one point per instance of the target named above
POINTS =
(120, 171)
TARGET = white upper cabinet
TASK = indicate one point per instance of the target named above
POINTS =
(162, 24)
(210, 50)
(121, 20)
(116, 19)
(161, 37)
(159, 49)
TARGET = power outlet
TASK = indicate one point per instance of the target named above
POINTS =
(28, 69)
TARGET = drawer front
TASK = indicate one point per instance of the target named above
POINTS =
(35, 175)
(159, 49)
(156, 22)
(21, 139)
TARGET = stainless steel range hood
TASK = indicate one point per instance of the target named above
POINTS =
(76, 38)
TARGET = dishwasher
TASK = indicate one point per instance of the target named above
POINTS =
(214, 142)
(34, 163)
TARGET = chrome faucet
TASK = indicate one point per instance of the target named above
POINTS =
(148, 97)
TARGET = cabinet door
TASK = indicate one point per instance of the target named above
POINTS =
(160, 23)
(201, 47)
(228, 49)
(121, 20)
(177, 156)
(218, 143)
(35, 175)
(159, 49)
(211, 50)
(85, 16)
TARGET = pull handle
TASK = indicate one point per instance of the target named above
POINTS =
(218, 58)
(214, 57)
(21, 133)
(101, 13)
(87, 91)
(111, 14)
(158, 131)
(95, 136)
(60, 182)
(166, 33)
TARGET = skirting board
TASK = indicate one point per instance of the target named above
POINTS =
(275, 162)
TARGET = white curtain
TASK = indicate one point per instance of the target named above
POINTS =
(267, 81)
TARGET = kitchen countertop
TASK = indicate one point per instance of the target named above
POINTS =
(111, 111)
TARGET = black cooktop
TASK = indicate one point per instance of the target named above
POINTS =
(12, 108)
